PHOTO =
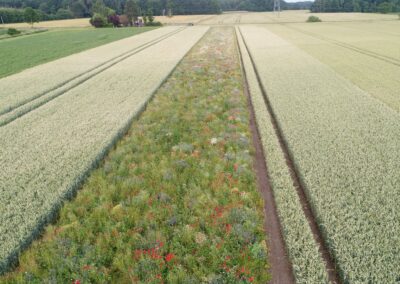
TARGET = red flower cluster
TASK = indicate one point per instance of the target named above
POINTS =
(153, 253)
(169, 257)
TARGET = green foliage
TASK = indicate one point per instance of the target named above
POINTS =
(11, 15)
(149, 16)
(44, 47)
(154, 24)
(31, 16)
(78, 9)
(99, 8)
(131, 10)
(313, 19)
(82, 8)
(64, 14)
(385, 6)
(98, 21)
(12, 32)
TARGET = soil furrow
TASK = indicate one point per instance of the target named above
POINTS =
(281, 268)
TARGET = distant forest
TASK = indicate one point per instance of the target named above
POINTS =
(366, 6)
(12, 10)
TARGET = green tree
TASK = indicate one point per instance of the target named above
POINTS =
(99, 8)
(149, 15)
(385, 8)
(64, 14)
(131, 11)
(31, 16)
(170, 6)
(78, 9)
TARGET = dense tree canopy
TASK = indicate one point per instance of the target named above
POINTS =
(381, 6)
(63, 9)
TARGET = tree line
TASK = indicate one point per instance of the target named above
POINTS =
(366, 6)
(261, 5)
(12, 10)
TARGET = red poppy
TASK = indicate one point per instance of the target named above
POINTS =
(251, 279)
(77, 281)
(169, 257)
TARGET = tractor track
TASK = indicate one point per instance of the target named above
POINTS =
(281, 268)
(331, 269)
(43, 98)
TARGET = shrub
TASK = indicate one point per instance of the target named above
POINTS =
(124, 21)
(12, 32)
(154, 24)
(313, 19)
(98, 21)
(114, 20)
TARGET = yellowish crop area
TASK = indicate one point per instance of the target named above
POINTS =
(70, 23)
(182, 19)
(84, 22)
(292, 17)
(358, 51)
(344, 144)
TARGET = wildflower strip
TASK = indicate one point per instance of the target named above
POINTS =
(176, 201)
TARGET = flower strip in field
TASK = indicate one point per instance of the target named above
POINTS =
(176, 201)
(47, 153)
(345, 147)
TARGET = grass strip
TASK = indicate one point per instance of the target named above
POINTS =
(24, 52)
(176, 200)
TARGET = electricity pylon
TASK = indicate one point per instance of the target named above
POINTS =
(277, 6)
